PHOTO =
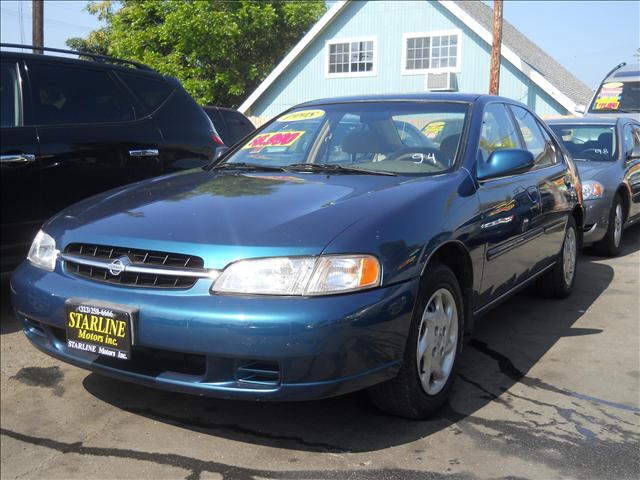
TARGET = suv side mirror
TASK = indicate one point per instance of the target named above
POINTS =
(220, 151)
(580, 108)
(634, 154)
(506, 161)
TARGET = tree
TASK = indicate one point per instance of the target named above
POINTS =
(219, 50)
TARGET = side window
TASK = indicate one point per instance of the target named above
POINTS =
(10, 105)
(69, 95)
(238, 125)
(498, 131)
(150, 91)
(628, 140)
(535, 137)
(636, 137)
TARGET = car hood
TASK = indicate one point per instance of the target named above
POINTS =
(591, 170)
(222, 216)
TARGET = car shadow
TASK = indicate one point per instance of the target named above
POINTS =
(507, 343)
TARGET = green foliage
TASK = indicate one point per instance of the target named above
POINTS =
(219, 50)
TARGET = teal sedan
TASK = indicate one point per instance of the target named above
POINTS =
(347, 244)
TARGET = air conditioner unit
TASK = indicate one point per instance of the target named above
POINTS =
(442, 82)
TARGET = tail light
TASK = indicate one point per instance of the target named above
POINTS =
(216, 139)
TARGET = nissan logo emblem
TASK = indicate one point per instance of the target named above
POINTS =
(118, 266)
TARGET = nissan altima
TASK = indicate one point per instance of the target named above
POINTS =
(347, 244)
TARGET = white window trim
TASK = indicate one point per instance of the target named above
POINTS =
(334, 41)
(434, 33)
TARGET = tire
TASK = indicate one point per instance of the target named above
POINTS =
(609, 246)
(558, 283)
(405, 396)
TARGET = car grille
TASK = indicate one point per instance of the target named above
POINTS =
(141, 257)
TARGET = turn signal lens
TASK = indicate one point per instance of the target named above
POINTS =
(342, 274)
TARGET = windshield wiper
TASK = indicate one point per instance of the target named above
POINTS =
(334, 167)
(248, 166)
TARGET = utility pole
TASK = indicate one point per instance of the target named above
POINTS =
(494, 79)
(37, 20)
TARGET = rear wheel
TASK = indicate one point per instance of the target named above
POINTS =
(558, 283)
(610, 245)
(428, 371)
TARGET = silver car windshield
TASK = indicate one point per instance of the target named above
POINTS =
(588, 142)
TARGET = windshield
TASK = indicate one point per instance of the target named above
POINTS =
(588, 142)
(394, 137)
(617, 97)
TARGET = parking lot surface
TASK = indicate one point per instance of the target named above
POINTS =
(546, 389)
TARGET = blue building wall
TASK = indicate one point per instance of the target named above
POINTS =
(305, 78)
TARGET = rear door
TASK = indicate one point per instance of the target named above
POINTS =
(18, 168)
(553, 185)
(90, 139)
(511, 213)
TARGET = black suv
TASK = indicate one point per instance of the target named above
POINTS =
(72, 128)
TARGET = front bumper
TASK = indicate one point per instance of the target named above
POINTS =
(194, 342)
(596, 220)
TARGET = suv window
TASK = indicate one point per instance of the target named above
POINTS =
(238, 126)
(151, 92)
(498, 131)
(10, 111)
(536, 139)
(68, 95)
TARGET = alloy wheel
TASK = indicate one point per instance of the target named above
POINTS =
(437, 341)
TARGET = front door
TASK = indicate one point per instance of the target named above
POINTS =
(18, 170)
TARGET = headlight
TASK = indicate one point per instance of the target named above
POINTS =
(592, 190)
(300, 275)
(43, 253)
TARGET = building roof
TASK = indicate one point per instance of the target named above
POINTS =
(531, 53)
(525, 55)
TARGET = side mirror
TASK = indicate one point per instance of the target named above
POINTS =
(220, 151)
(634, 154)
(507, 161)
(580, 108)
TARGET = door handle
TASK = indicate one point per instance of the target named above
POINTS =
(17, 158)
(147, 152)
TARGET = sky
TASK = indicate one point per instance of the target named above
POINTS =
(587, 37)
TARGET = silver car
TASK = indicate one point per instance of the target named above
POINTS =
(606, 151)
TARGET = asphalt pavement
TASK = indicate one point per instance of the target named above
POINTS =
(547, 389)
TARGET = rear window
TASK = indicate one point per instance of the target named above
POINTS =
(151, 92)
(238, 126)
(620, 97)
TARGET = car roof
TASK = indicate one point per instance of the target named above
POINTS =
(605, 120)
(122, 67)
(440, 96)
(628, 73)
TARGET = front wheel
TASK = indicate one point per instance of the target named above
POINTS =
(558, 283)
(428, 371)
